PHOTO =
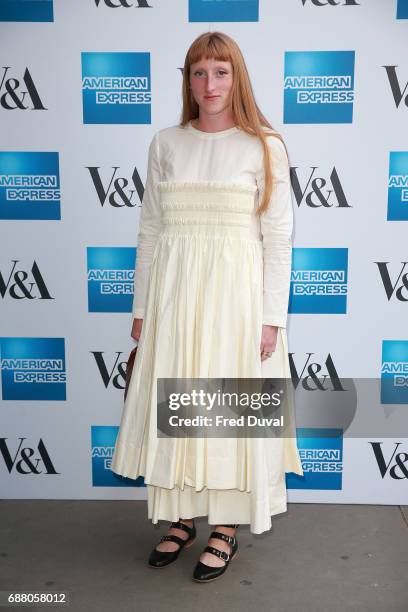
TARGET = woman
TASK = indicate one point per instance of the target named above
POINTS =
(211, 296)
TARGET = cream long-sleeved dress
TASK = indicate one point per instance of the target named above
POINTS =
(209, 273)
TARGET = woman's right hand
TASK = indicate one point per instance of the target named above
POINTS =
(136, 329)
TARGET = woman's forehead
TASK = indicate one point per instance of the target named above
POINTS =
(212, 61)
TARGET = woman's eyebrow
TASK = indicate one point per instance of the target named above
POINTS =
(216, 66)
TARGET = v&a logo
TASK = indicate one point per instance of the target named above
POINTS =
(398, 286)
(19, 285)
(26, 459)
(319, 191)
(19, 93)
(118, 190)
(394, 464)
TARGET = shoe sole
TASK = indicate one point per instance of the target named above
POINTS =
(166, 564)
(216, 577)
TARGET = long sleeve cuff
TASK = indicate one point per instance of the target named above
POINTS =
(138, 313)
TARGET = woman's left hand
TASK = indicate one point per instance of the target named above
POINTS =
(268, 340)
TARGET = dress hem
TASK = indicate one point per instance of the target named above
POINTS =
(221, 507)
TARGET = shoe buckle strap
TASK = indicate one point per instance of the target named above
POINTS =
(218, 553)
(166, 538)
(172, 538)
(223, 536)
(182, 526)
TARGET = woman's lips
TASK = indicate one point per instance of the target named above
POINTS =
(211, 97)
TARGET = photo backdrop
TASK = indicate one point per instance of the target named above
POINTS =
(84, 85)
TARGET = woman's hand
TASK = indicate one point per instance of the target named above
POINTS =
(268, 340)
(136, 329)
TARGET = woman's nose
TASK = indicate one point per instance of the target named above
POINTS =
(210, 84)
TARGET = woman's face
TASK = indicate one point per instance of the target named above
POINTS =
(211, 85)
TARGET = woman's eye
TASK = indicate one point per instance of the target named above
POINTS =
(199, 72)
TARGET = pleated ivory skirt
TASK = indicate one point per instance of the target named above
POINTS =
(203, 319)
(222, 506)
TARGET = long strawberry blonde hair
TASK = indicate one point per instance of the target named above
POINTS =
(245, 111)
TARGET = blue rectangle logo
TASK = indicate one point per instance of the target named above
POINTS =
(318, 87)
(116, 88)
(33, 368)
(111, 273)
(321, 454)
(394, 372)
(103, 439)
(319, 280)
(398, 186)
(26, 10)
(29, 185)
(223, 10)
(402, 9)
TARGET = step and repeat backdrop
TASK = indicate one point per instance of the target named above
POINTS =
(84, 85)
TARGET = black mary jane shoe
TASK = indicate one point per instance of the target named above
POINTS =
(159, 558)
(205, 573)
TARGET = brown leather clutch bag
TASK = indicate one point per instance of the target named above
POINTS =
(129, 368)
